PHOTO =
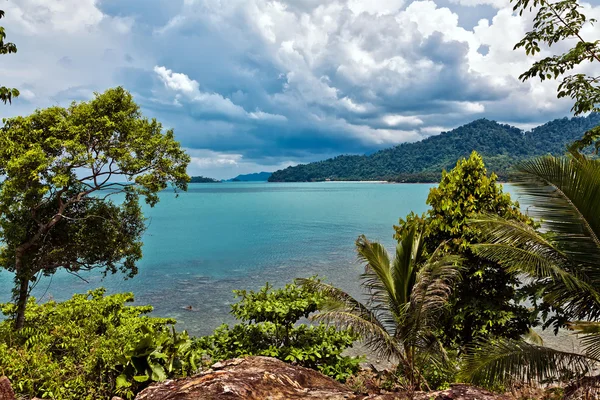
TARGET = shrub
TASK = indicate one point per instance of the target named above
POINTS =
(270, 328)
(91, 346)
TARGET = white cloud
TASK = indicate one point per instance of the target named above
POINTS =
(285, 78)
(393, 120)
(208, 102)
(375, 6)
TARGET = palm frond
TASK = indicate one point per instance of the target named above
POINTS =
(503, 361)
(377, 279)
(566, 194)
(533, 337)
(521, 249)
(372, 334)
(433, 287)
(590, 339)
(339, 299)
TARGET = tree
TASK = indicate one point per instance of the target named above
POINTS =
(405, 298)
(62, 167)
(485, 300)
(564, 262)
(559, 21)
(6, 94)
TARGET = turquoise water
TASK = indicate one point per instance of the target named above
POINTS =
(219, 237)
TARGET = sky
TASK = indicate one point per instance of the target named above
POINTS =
(258, 85)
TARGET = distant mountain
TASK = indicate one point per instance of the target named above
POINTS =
(203, 179)
(256, 177)
(500, 145)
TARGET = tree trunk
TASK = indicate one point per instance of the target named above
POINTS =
(22, 300)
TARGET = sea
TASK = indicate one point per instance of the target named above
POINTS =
(203, 244)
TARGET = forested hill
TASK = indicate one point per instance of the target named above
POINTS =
(500, 145)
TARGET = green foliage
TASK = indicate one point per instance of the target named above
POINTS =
(281, 306)
(484, 302)
(557, 22)
(91, 346)
(440, 376)
(501, 146)
(269, 328)
(61, 167)
(405, 298)
(203, 179)
(564, 265)
(6, 94)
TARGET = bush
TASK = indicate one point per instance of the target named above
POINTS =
(269, 328)
(91, 346)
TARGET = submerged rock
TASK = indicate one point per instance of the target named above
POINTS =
(264, 378)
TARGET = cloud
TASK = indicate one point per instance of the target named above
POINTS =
(208, 103)
(256, 83)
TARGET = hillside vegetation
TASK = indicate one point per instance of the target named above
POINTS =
(500, 145)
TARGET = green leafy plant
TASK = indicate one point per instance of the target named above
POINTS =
(486, 300)
(91, 346)
(405, 298)
(270, 328)
(6, 94)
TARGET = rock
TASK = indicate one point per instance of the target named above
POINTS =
(254, 378)
(6, 390)
(264, 378)
(461, 392)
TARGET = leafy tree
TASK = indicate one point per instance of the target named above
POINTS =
(405, 298)
(6, 94)
(565, 264)
(484, 301)
(61, 167)
(269, 328)
(92, 346)
(559, 21)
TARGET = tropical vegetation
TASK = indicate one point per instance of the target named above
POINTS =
(90, 347)
(563, 263)
(406, 296)
(96, 345)
(61, 168)
(270, 327)
(448, 306)
(486, 301)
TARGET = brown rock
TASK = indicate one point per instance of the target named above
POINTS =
(254, 378)
(263, 378)
(461, 392)
(6, 390)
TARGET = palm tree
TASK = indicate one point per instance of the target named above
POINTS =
(405, 297)
(564, 260)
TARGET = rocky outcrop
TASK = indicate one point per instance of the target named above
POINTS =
(6, 390)
(254, 378)
(263, 378)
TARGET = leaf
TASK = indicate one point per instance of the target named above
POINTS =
(141, 378)
(123, 382)
(158, 372)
